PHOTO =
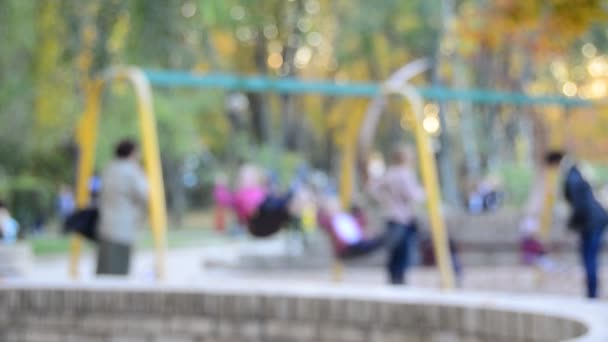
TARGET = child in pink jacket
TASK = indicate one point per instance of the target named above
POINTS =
(255, 205)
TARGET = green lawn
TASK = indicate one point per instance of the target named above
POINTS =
(195, 232)
(186, 237)
(49, 245)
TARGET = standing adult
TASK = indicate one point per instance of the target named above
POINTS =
(588, 217)
(398, 192)
(124, 196)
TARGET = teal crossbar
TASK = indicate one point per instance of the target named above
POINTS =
(162, 78)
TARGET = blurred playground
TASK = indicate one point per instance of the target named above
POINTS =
(457, 146)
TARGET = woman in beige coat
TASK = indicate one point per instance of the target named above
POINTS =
(124, 196)
(398, 192)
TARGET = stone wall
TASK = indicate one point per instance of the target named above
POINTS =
(15, 260)
(262, 314)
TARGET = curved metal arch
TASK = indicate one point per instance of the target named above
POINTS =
(365, 128)
(375, 109)
(428, 170)
(87, 140)
(361, 129)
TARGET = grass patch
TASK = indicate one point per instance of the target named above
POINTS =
(186, 237)
(50, 245)
(192, 234)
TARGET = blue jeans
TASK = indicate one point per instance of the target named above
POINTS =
(590, 249)
(399, 237)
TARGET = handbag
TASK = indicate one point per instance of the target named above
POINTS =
(83, 222)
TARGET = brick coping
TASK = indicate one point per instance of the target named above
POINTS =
(592, 314)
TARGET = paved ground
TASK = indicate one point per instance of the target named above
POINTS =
(224, 263)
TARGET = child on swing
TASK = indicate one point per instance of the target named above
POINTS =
(346, 230)
(256, 206)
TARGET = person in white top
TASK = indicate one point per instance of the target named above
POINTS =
(9, 228)
(398, 192)
(346, 230)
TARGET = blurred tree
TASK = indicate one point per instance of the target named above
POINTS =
(51, 48)
(509, 43)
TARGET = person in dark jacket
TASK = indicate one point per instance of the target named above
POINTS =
(588, 217)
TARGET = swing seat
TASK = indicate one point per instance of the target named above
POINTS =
(342, 249)
(325, 223)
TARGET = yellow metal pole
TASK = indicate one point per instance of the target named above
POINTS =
(337, 270)
(87, 138)
(428, 170)
(349, 156)
(346, 179)
(554, 126)
(151, 154)
(555, 123)
(551, 174)
(347, 168)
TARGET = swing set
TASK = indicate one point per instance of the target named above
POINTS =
(358, 131)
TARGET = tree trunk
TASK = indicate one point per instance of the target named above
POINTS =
(259, 117)
(176, 194)
(467, 129)
(289, 124)
(447, 171)
(258, 102)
